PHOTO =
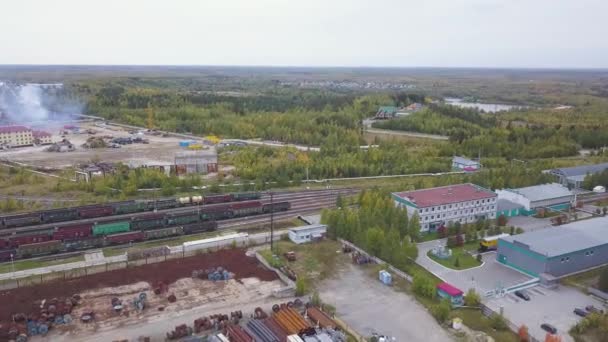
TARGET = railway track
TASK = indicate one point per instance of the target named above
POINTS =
(294, 197)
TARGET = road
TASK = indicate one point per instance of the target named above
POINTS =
(408, 134)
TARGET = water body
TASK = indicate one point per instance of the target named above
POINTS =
(486, 107)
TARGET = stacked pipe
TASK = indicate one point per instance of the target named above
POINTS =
(236, 334)
(272, 325)
(320, 318)
(260, 332)
(292, 322)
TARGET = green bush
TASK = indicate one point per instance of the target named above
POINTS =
(300, 287)
(472, 298)
(441, 311)
(498, 322)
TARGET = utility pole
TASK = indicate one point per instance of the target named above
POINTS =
(271, 222)
(12, 263)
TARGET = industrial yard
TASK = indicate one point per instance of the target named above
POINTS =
(158, 151)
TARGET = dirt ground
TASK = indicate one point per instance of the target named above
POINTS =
(27, 300)
(160, 150)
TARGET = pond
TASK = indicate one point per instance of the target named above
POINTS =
(486, 107)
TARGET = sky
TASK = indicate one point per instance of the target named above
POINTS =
(378, 33)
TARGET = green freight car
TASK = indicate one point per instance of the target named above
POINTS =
(149, 221)
(163, 233)
(111, 228)
(129, 208)
(184, 218)
(246, 196)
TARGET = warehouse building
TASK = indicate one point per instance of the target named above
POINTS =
(15, 136)
(573, 177)
(436, 207)
(307, 233)
(202, 162)
(557, 251)
(552, 196)
(507, 208)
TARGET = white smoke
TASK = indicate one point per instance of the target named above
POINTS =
(34, 102)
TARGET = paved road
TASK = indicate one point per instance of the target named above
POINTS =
(406, 133)
(367, 306)
(483, 278)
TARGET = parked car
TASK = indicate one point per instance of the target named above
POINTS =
(548, 328)
(523, 295)
(580, 312)
(592, 309)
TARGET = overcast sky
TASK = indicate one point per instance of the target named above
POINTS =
(457, 33)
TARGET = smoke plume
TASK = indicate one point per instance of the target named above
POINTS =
(34, 102)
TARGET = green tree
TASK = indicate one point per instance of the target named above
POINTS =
(457, 262)
(414, 228)
(300, 287)
(441, 311)
(498, 322)
(472, 298)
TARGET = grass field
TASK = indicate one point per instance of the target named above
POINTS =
(465, 260)
(29, 264)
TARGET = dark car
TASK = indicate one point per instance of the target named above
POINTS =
(580, 312)
(548, 328)
(522, 295)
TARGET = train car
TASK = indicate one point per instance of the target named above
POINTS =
(201, 227)
(111, 228)
(129, 208)
(179, 219)
(78, 231)
(213, 199)
(59, 215)
(278, 206)
(98, 211)
(40, 248)
(121, 238)
(148, 221)
(21, 220)
(193, 200)
(18, 240)
(219, 212)
(162, 204)
(245, 208)
(246, 196)
(83, 243)
(4, 243)
(8, 254)
(163, 233)
(490, 243)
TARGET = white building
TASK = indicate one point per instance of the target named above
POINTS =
(16, 136)
(307, 233)
(436, 207)
(552, 195)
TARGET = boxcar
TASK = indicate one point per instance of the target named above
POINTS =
(83, 243)
(47, 247)
(111, 228)
(163, 233)
(18, 240)
(4, 243)
(278, 206)
(125, 238)
(66, 214)
(201, 227)
(128, 208)
(183, 218)
(215, 213)
(245, 208)
(73, 232)
(246, 196)
(162, 204)
(6, 255)
(104, 210)
(21, 220)
(149, 221)
(211, 199)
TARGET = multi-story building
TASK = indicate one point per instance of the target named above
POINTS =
(442, 206)
(16, 136)
(41, 137)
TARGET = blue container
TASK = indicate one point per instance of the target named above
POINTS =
(385, 277)
(184, 143)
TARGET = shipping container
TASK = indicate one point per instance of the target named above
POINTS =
(105, 210)
(125, 237)
(92, 242)
(21, 220)
(201, 227)
(19, 240)
(40, 248)
(278, 206)
(210, 199)
(73, 232)
(246, 196)
(245, 208)
(183, 218)
(111, 228)
(129, 208)
(162, 204)
(163, 233)
(6, 254)
(59, 215)
(149, 221)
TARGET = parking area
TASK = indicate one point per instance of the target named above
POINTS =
(553, 306)
(369, 307)
(529, 223)
(487, 277)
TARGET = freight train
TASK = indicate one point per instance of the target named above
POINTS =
(137, 228)
(119, 208)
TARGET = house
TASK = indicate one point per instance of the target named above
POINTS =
(465, 164)
(453, 294)
(386, 112)
(573, 177)
(441, 206)
(307, 233)
(552, 196)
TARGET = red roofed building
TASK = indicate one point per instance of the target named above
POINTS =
(41, 137)
(436, 207)
(445, 290)
(15, 135)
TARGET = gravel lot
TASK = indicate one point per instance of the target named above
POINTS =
(368, 306)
